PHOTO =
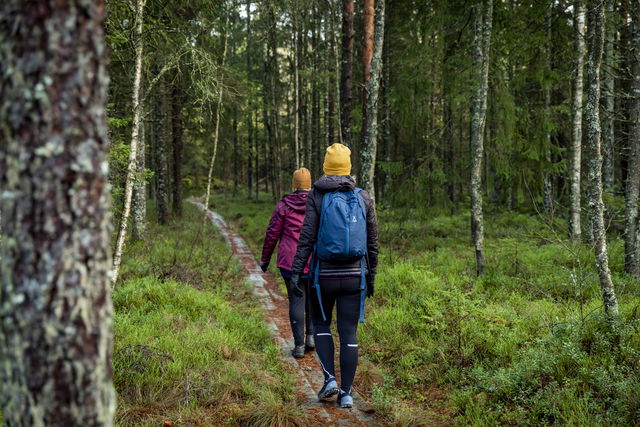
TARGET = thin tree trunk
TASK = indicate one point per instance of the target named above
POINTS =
(592, 118)
(386, 111)
(608, 86)
(249, 117)
(346, 83)
(576, 135)
(368, 18)
(632, 228)
(176, 124)
(235, 152)
(162, 195)
(135, 136)
(55, 312)
(216, 132)
(296, 55)
(481, 45)
(547, 194)
(139, 223)
(370, 134)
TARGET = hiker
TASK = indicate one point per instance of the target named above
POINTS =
(284, 226)
(341, 232)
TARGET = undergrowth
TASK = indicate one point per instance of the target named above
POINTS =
(190, 345)
(525, 344)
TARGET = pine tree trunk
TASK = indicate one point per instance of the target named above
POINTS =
(592, 118)
(297, 112)
(139, 220)
(346, 83)
(135, 141)
(481, 44)
(632, 228)
(249, 117)
(176, 133)
(608, 86)
(55, 258)
(368, 18)
(370, 134)
(547, 194)
(162, 194)
(576, 134)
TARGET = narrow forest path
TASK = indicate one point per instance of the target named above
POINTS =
(275, 306)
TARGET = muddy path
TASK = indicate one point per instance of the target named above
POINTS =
(275, 306)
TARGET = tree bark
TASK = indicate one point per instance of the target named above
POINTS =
(547, 193)
(139, 223)
(370, 134)
(575, 230)
(135, 136)
(368, 18)
(176, 124)
(386, 111)
(592, 117)
(55, 258)
(632, 228)
(608, 86)
(162, 193)
(346, 83)
(481, 45)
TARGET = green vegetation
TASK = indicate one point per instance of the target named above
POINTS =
(525, 344)
(190, 344)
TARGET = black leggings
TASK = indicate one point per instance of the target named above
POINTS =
(345, 294)
(299, 311)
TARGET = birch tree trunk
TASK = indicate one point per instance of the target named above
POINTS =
(608, 86)
(575, 230)
(592, 117)
(135, 140)
(370, 134)
(632, 228)
(481, 45)
(346, 74)
(55, 302)
(139, 217)
(216, 131)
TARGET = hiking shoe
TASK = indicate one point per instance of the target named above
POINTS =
(330, 388)
(345, 399)
(298, 352)
(309, 343)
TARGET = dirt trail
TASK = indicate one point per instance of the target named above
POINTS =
(275, 305)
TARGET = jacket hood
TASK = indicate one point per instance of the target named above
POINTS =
(335, 183)
(296, 201)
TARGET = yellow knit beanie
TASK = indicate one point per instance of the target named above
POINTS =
(301, 179)
(337, 160)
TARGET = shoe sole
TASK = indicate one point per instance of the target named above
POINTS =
(346, 406)
(328, 393)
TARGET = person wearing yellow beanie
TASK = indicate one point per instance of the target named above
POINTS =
(301, 179)
(337, 160)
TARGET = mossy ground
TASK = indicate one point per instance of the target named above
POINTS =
(191, 345)
(525, 344)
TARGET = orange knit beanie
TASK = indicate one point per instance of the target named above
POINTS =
(301, 179)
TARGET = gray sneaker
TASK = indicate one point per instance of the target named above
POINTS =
(345, 399)
(298, 352)
(329, 389)
(309, 343)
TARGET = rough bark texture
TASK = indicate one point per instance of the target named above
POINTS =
(608, 104)
(592, 118)
(176, 133)
(370, 134)
(346, 74)
(632, 228)
(135, 141)
(386, 111)
(139, 217)
(368, 18)
(162, 192)
(547, 192)
(481, 44)
(576, 135)
(55, 304)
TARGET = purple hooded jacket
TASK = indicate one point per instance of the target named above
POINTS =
(285, 225)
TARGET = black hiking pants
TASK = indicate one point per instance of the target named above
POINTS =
(299, 311)
(344, 293)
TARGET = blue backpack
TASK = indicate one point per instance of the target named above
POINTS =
(342, 236)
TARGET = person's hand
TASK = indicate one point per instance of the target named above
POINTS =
(370, 287)
(264, 265)
(296, 289)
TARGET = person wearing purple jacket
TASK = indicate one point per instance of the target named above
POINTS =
(284, 227)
